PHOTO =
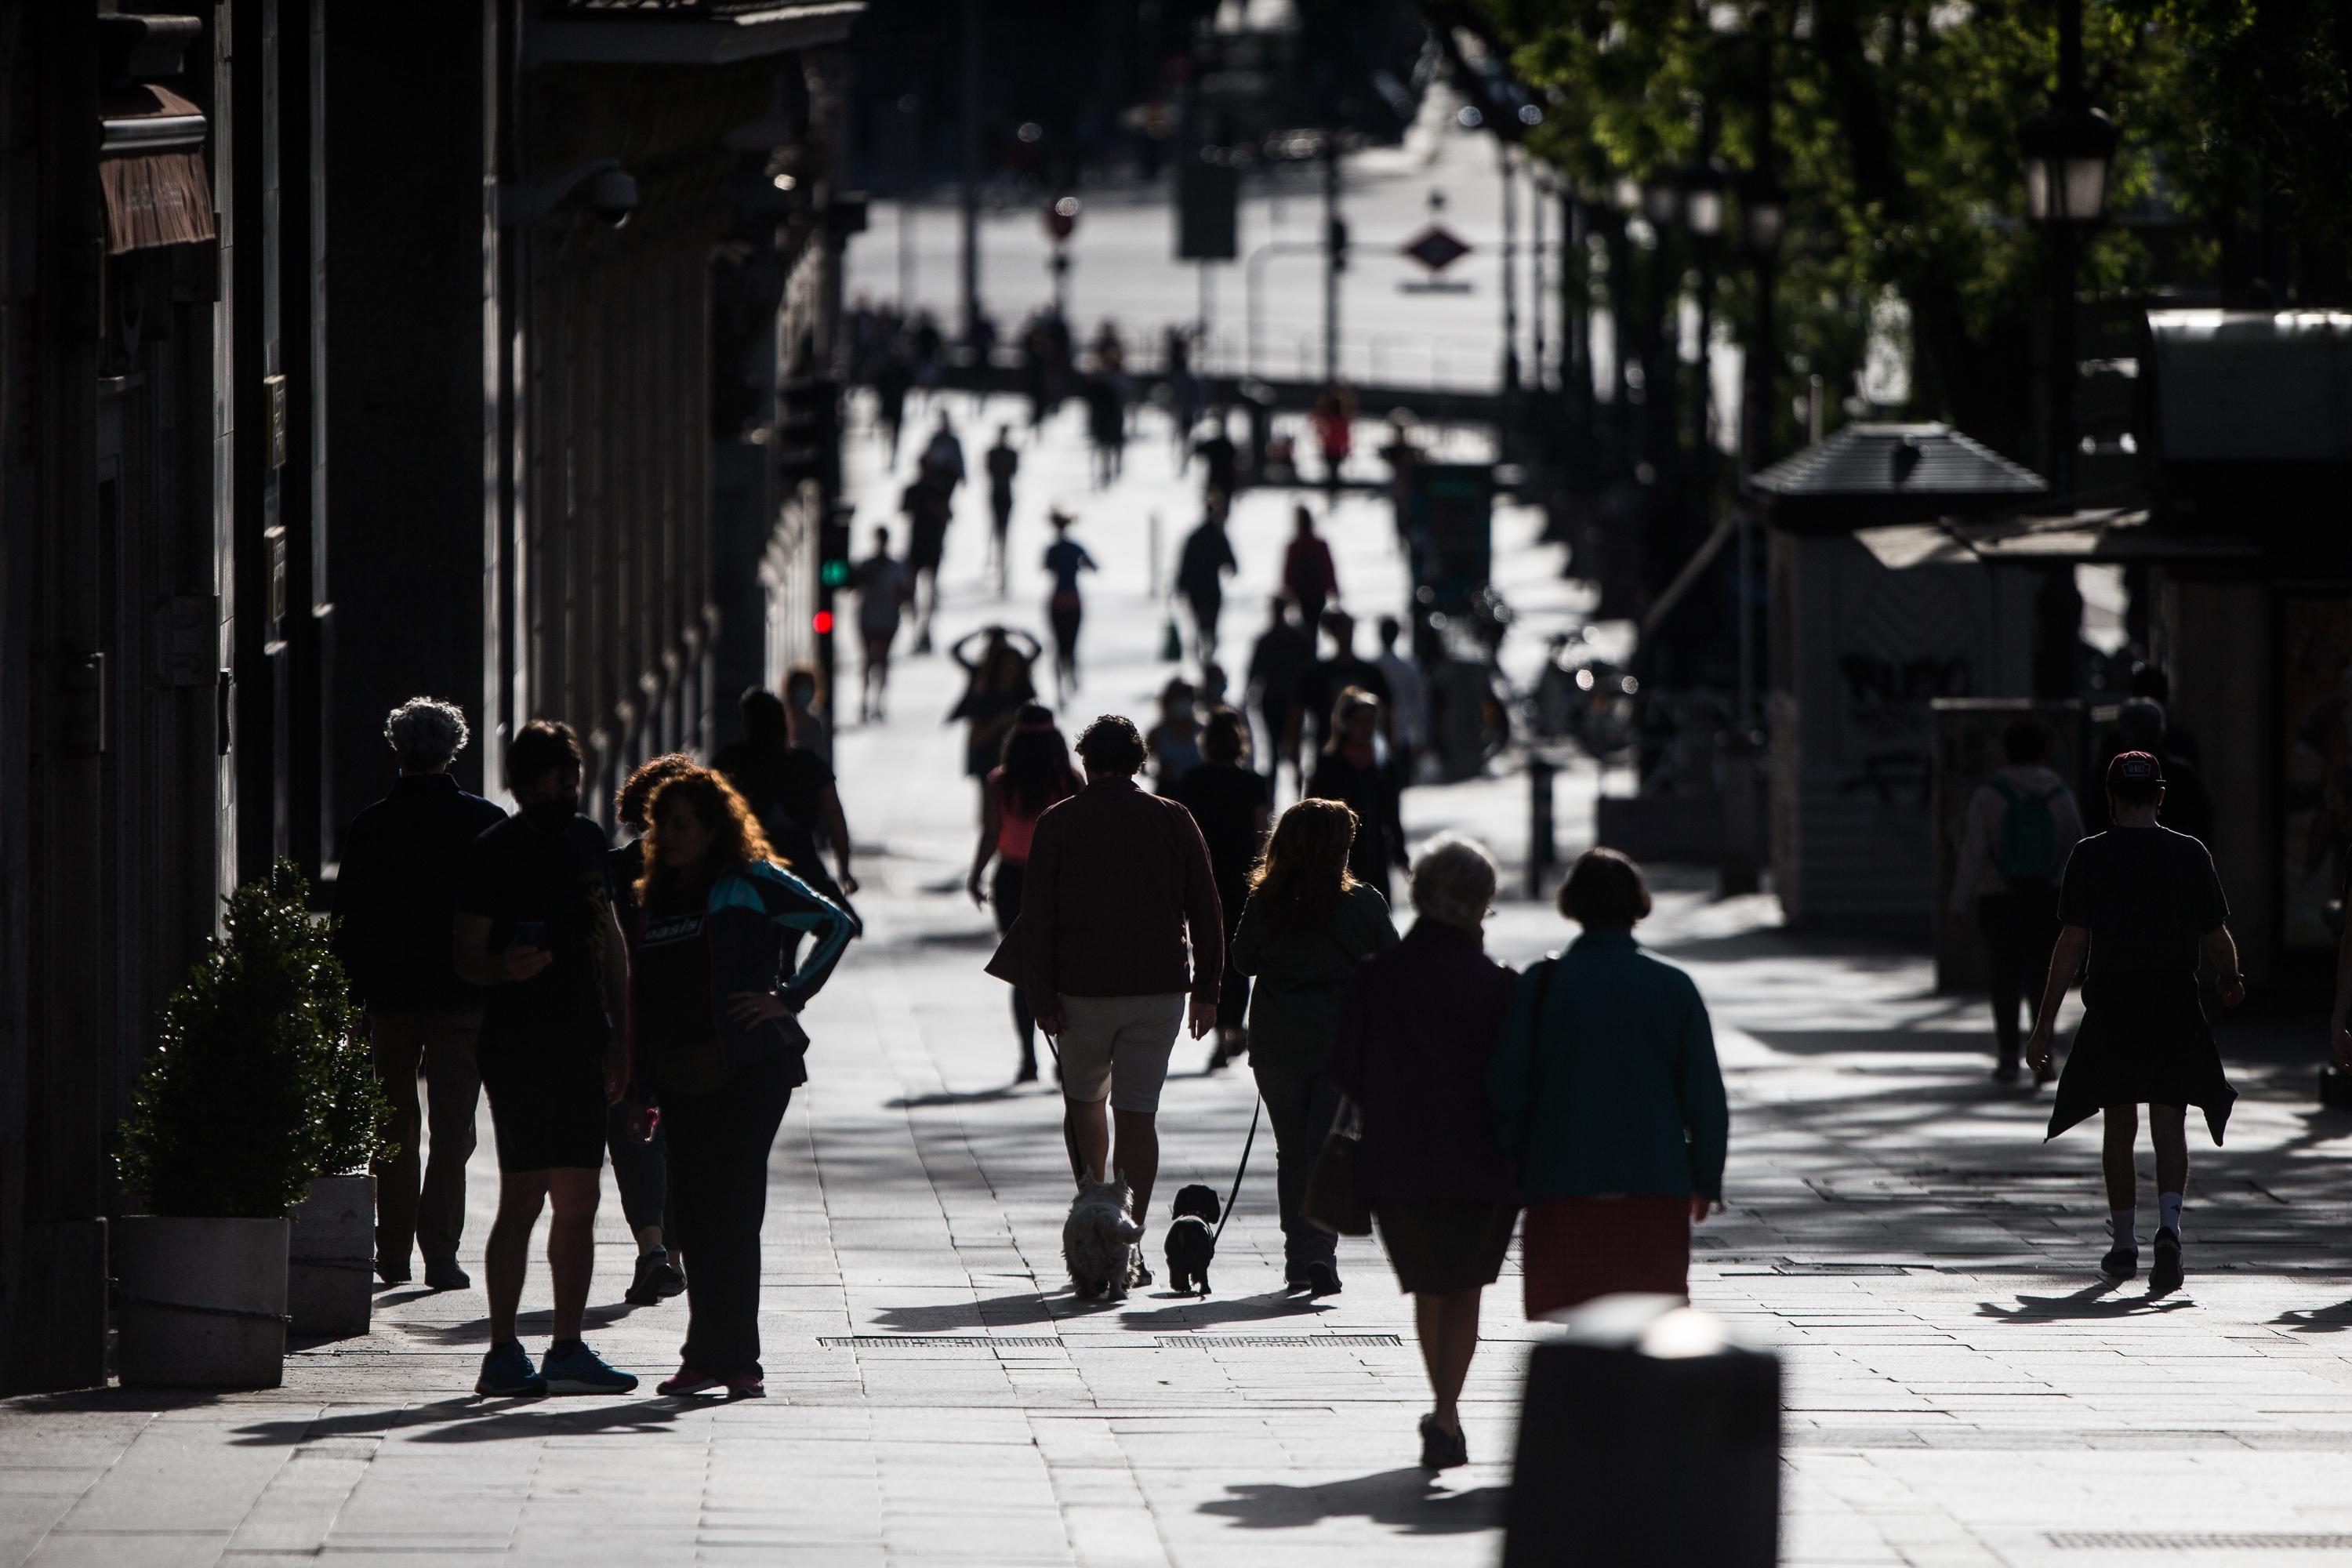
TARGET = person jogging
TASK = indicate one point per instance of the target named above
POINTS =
(1201, 568)
(1065, 608)
(885, 588)
(2140, 901)
(1003, 462)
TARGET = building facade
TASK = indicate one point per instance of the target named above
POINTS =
(580, 257)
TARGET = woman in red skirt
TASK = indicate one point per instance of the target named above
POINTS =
(1606, 1092)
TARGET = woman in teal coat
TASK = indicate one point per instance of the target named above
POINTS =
(1607, 1093)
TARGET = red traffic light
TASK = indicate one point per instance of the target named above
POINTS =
(1061, 218)
(821, 623)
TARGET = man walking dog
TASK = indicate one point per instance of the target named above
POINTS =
(1118, 879)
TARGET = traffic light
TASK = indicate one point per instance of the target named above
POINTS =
(833, 573)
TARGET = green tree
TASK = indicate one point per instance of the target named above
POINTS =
(1896, 126)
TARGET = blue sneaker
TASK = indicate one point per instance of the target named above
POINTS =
(582, 1370)
(507, 1373)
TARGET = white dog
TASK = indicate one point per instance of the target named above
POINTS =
(1098, 1241)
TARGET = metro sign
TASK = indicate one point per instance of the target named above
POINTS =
(1434, 248)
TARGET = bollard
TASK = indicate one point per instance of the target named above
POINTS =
(1736, 780)
(1647, 1439)
(1154, 556)
(1543, 850)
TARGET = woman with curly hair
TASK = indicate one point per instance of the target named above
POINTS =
(1306, 925)
(713, 995)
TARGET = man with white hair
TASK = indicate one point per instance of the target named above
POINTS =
(394, 902)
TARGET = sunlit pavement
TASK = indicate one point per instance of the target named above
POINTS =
(1960, 1388)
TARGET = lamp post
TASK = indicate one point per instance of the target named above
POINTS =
(2068, 149)
(1703, 187)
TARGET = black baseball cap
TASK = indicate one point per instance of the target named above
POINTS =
(2136, 770)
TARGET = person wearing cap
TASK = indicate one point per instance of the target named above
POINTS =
(2138, 903)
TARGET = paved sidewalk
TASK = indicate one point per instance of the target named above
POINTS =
(1960, 1389)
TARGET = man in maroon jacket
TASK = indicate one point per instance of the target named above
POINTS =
(1118, 880)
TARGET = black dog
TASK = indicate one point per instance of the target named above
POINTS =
(1191, 1240)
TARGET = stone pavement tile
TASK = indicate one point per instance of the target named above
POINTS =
(101, 1549)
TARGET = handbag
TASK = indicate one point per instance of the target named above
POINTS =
(1335, 1189)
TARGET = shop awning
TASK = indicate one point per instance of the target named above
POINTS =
(1880, 475)
(682, 32)
(2119, 536)
(152, 167)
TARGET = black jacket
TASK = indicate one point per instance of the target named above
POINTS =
(395, 896)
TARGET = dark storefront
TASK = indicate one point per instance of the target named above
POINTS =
(512, 465)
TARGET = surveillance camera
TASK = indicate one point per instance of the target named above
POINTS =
(613, 197)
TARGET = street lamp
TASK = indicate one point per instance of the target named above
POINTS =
(1702, 192)
(1763, 217)
(2069, 151)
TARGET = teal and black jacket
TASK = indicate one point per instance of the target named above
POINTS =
(758, 914)
(1604, 1078)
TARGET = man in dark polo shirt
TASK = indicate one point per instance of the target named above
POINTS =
(2140, 903)
(1118, 881)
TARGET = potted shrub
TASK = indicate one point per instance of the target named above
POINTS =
(258, 1088)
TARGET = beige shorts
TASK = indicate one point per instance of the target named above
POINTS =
(1118, 1047)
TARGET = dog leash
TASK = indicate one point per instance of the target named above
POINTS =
(1256, 1111)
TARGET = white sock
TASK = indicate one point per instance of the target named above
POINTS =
(2119, 1225)
(2167, 1211)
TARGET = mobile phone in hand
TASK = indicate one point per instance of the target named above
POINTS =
(531, 933)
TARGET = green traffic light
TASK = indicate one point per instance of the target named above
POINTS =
(835, 573)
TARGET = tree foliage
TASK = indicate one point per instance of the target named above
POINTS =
(1896, 130)
(262, 1081)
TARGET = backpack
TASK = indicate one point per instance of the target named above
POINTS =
(2028, 849)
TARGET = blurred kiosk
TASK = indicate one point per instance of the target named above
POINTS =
(1647, 1439)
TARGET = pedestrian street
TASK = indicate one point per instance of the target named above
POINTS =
(1959, 1387)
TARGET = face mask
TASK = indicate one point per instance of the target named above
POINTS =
(551, 815)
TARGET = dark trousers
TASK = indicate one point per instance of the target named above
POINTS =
(1300, 1107)
(2019, 928)
(442, 1039)
(1206, 608)
(1004, 897)
(718, 1145)
(640, 1169)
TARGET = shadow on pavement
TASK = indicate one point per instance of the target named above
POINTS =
(2319, 1321)
(476, 1331)
(1407, 1501)
(962, 1097)
(1022, 1309)
(2092, 1302)
(1191, 1311)
(470, 1420)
